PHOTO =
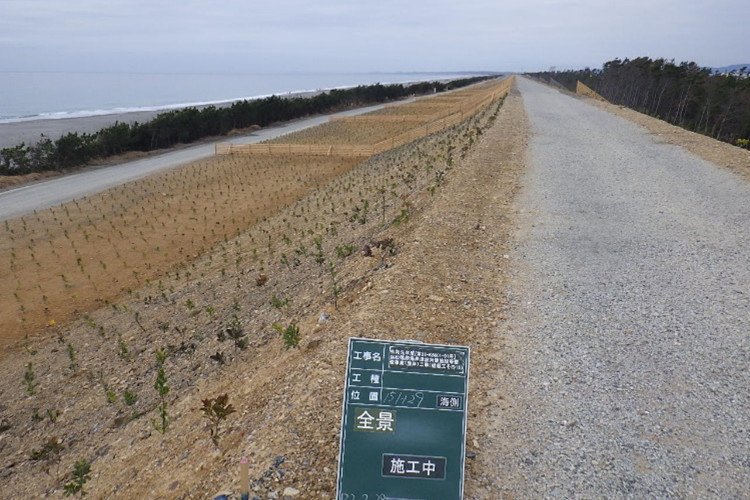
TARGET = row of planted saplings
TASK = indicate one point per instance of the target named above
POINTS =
(353, 201)
(127, 235)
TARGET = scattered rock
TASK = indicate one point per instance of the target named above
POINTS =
(290, 492)
(120, 421)
(314, 343)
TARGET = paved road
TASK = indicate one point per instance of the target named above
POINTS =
(25, 199)
(630, 347)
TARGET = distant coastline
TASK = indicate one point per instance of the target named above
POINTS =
(31, 129)
(54, 149)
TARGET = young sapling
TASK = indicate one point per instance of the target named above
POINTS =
(162, 389)
(216, 410)
(290, 335)
(81, 474)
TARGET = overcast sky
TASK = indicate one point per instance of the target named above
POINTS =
(248, 36)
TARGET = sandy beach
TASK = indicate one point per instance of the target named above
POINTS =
(32, 131)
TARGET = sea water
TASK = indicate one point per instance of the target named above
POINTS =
(49, 95)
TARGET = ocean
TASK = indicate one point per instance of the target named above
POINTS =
(28, 96)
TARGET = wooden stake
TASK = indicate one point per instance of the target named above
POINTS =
(244, 482)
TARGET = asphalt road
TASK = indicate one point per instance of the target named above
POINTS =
(25, 199)
(630, 311)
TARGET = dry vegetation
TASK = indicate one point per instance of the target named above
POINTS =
(83, 254)
(344, 132)
(394, 120)
(210, 257)
(420, 109)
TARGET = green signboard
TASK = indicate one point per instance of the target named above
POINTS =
(403, 428)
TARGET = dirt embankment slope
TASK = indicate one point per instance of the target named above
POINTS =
(434, 215)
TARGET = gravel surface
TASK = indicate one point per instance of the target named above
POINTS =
(628, 340)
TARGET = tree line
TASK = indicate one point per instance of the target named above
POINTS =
(190, 124)
(684, 94)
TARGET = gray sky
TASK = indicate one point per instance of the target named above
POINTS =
(249, 36)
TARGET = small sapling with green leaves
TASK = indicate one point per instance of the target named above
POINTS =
(334, 284)
(162, 389)
(122, 348)
(278, 303)
(344, 251)
(285, 261)
(72, 357)
(81, 474)
(290, 335)
(28, 378)
(129, 397)
(319, 257)
(237, 333)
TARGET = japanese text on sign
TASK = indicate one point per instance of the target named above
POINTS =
(403, 421)
(449, 401)
(370, 420)
(416, 357)
(413, 466)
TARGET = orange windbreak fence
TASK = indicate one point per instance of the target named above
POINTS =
(405, 123)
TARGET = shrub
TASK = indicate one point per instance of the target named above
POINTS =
(343, 251)
(237, 333)
(290, 335)
(81, 474)
(279, 303)
(216, 410)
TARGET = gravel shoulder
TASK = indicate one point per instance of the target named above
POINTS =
(719, 153)
(627, 345)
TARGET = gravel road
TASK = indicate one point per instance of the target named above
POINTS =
(628, 345)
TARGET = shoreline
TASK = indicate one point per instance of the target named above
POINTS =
(59, 187)
(42, 192)
(30, 132)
